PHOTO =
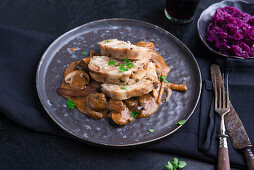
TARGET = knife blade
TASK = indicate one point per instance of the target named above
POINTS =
(236, 131)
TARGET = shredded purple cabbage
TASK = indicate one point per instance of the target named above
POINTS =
(232, 32)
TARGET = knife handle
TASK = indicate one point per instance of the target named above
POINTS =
(223, 158)
(249, 157)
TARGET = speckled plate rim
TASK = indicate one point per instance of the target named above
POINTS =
(40, 91)
(203, 38)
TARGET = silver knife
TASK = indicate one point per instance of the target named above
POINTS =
(236, 131)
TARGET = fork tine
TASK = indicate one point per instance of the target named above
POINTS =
(215, 93)
(219, 94)
(223, 92)
(227, 93)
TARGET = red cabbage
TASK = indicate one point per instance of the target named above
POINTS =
(232, 32)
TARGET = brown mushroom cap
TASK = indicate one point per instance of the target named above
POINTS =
(97, 101)
(77, 79)
(120, 113)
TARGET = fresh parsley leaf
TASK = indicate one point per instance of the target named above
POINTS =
(126, 61)
(175, 161)
(122, 68)
(182, 164)
(122, 87)
(166, 167)
(107, 41)
(130, 65)
(169, 166)
(174, 165)
(150, 130)
(181, 122)
(134, 113)
(70, 103)
(84, 53)
(112, 63)
(164, 79)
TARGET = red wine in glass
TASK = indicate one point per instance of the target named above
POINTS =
(181, 11)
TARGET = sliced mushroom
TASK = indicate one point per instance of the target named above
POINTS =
(96, 115)
(116, 105)
(147, 44)
(80, 104)
(132, 103)
(71, 67)
(69, 77)
(82, 66)
(92, 88)
(77, 79)
(120, 113)
(149, 105)
(161, 67)
(97, 101)
(97, 105)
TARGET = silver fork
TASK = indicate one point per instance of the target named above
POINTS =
(222, 107)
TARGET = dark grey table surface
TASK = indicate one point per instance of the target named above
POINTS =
(32, 150)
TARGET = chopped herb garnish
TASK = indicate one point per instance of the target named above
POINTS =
(134, 113)
(84, 53)
(122, 87)
(164, 79)
(169, 166)
(181, 122)
(107, 41)
(123, 68)
(70, 104)
(112, 63)
(130, 65)
(150, 130)
(174, 165)
(126, 61)
(182, 164)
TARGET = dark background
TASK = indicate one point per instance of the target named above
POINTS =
(21, 148)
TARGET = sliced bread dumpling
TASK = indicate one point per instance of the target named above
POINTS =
(100, 70)
(123, 50)
(144, 86)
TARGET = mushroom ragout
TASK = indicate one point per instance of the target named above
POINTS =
(123, 82)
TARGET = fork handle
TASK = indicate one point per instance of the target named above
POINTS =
(249, 157)
(223, 158)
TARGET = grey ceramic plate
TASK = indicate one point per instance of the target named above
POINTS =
(207, 15)
(102, 132)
